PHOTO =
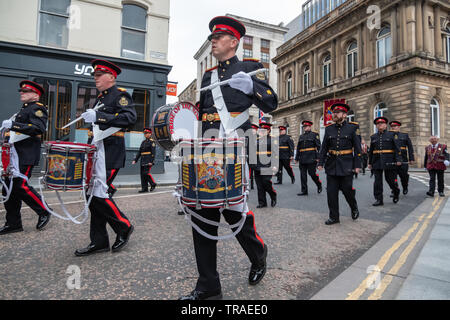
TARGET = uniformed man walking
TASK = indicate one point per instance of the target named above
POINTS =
(407, 150)
(307, 156)
(236, 98)
(117, 112)
(146, 153)
(264, 160)
(384, 156)
(340, 152)
(31, 120)
(436, 162)
(286, 154)
(254, 132)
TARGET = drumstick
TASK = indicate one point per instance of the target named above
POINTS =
(212, 86)
(79, 118)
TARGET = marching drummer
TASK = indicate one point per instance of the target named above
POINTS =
(225, 113)
(110, 122)
(147, 155)
(31, 121)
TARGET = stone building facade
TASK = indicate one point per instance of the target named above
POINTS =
(189, 94)
(389, 58)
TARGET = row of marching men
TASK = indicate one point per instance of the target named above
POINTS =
(342, 152)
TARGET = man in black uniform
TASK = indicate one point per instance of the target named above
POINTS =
(117, 112)
(407, 150)
(264, 155)
(384, 155)
(340, 149)
(307, 156)
(147, 153)
(31, 120)
(238, 96)
(286, 155)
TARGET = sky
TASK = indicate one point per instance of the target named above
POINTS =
(188, 29)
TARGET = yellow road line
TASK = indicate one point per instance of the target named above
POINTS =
(376, 295)
(358, 292)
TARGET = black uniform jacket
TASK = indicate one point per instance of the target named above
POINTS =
(341, 149)
(384, 150)
(286, 147)
(308, 148)
(236, 101)
(264, 155)
(406, 146)
(118, 111)
(146, 152)
(31, 120)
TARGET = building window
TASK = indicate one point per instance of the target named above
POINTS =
(447, 42)
(134, 29)
(289, 86)
(351, 116)
(434, 110)
(384, 51)
(265, 57)
(265, 44)
(352, 59)
(53, 17)
(306, 74)
(248, 41)
(248, 53)
(326, 70)
(380, 110)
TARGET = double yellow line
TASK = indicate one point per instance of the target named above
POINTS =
(387, 279)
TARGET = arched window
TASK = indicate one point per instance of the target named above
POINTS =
(326, 70)
(447, 42)
(434, 111)
(384, 50)
(289, 86)
(134, 29)
(352, 59)
(306, 75)
(380, 110)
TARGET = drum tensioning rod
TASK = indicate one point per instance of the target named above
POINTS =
(225, 170)
(222, 83)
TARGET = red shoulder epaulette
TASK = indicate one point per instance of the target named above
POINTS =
(211, 69)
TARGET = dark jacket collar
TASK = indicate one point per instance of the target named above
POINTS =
(228, 63)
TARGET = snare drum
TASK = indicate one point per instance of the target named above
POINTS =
(173, 122)
(215, 177)
(69, 165)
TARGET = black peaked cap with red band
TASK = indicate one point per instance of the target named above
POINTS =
(380, 120)
(307, 123)
(340, 107)
(105, 66)
(226, 25)
(265, 125)
(395, 123)
(147, 130)
(255, 126)
(30, 85)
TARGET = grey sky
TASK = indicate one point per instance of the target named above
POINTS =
(189, 28)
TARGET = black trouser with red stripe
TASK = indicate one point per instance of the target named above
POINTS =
(105, 211)
(264, 184)
(22, 192)
(111, 175)
(146, 177)
(311, 170)
(345, 184)
(402, 172)
(206, 249)
(284, 163)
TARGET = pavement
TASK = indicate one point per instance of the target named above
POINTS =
(411, 262)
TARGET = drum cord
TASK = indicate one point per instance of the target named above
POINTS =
(84, 214)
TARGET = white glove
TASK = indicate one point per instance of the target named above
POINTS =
(89, 116)
(7, 124)
(446, 162)
(243, 82)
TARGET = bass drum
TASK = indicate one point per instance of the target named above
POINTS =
(173, 122)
